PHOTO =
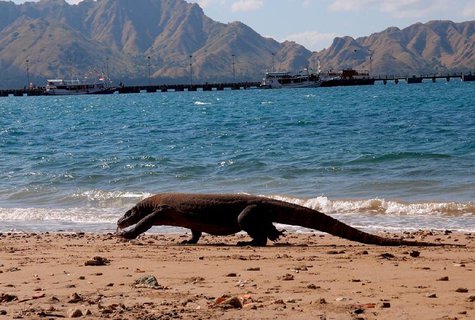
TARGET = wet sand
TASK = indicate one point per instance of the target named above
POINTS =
(303, 276)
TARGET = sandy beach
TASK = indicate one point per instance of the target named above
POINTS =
(303, 276)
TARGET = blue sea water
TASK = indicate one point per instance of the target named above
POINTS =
(392, 157)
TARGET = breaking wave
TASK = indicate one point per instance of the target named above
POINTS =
(386, 207)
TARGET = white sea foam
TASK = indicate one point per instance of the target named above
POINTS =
(70, 219)
(72, 215)
(385, 207)
(101, 195)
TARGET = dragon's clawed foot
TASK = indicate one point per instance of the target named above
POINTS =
(126, 235)
(276, 234)
(189, 241)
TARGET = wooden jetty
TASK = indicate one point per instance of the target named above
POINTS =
(419, 79)
(40, 91)
(188, 87)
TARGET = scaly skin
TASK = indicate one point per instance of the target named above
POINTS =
(226, 214)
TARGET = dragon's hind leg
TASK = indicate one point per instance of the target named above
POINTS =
(273, 234)
(258, 226)
(195, 236)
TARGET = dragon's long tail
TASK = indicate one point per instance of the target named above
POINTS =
(313, 219)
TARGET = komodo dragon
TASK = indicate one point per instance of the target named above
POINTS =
(225, 214)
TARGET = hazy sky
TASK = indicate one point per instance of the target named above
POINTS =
(314, 23)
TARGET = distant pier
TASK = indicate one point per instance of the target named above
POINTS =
(40, 91)
(418, 79)
(188, 87)
(371, 80)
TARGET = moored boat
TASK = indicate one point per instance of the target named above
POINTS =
(347, 77)
(277, 80)
(75, 87)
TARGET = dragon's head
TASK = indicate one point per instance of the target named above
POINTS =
(132, 216)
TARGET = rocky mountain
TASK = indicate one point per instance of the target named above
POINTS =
(130, 38)
(176, 42)
(437, 47)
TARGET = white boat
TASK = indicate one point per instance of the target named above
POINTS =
(277, 80)
(76, 86)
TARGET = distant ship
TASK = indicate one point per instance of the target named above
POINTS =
(277, 80)
(101, 85)
(347, 77)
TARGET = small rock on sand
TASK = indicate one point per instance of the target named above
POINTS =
(75, 313)
(414, 253)
(233, 302)
(148, 282)
(287, 277)
(75, 298)
(97, 261)
(5, 297)
(387, 255)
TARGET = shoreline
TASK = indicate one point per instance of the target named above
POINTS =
(369, 214)
(53, 275)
